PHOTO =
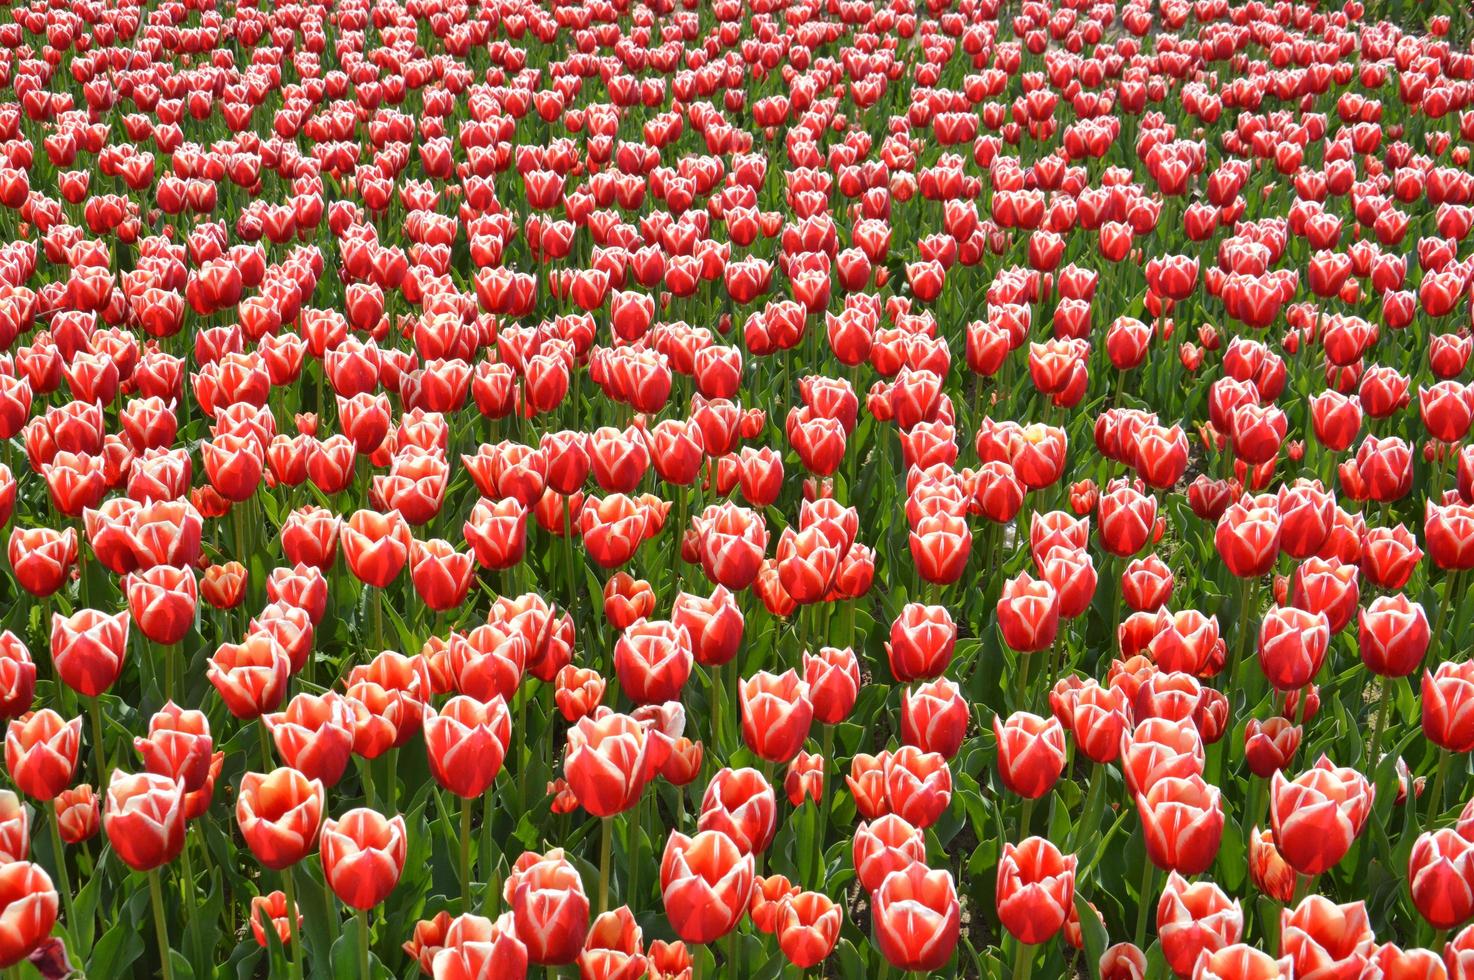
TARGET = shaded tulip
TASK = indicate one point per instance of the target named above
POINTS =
(706, 883)
(1317, 815)
(1035, 891)
(144, 819)
(279, 815)
(41, 752)
(776, 714)
(1031, 753)
(362, 856)
(916, 917)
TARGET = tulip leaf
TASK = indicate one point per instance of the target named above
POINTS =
(116, 951)
(1092, 930)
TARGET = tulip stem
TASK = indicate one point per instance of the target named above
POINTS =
(1090, 821)
(1148, 883)
(827, 750)
(363, 943)
(289, 889)
(604, 848)
(1023, 963)
(1023, 680)
(1451, 587)
(61, 865)
(488, 859)
(465, 856)
(265, 739)
(156, 899)
(94, 708)
(1435, 799)
(632, 844)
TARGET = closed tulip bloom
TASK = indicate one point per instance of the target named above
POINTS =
(833, 678)
(614, 948)
(740, 804)
(224, 586)
(1407, 964)
(375, 546)
(1440, 877)
(251, 676)
(1292, 646)
(915, 917)
(1389, 555)
(78, 814)
(922, 639)
(1317, 815)
(776, 714)
(1449, 531)
(684, 763)
(41, 557)
(178, 746)
(1158, 749)
(1098, 717)
(1240, 962)
(714, 625)
(1248, 536)
(362, 856)
(41, 752)
(653, 659)
(88, 648)
(270, 912)
(804, 779)
(1269, 746)
(466, 741)
(732, 540)
(1448, 706)
(550, 910)
(17, 676)
(28, 905)
(627, 599)
(1392, 635)
(918, 785)
(807, 928)
(608, 760)
(1146, 583)
(1269, 872)
(441, 575)
(577, 692)
(1195, 917)
(1031, 753)
(706, 883)
(1182, 823)
(934, 717)
(279, 815)
(1036, 890)
(478, 949)
(1327, 586)
(1324, 939)
(314, 735)
(767, 892)
(884, 845)
(144, 819)
(162, 601)
(1028, 613)
(1127, 517)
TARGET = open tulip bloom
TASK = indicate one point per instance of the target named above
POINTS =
(680, 489)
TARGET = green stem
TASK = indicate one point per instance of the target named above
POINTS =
(489, 855)
(1379, 727)
(161, 932)
(465, 856)
(363, 943)
(1023, 964)
(289, 888)
(1148, 883)
(605, 846)
(62, 876)
(264, 738)
(94, 708)
(1024, 669)
(1435, 798)
(1089, 823)
(632, 890)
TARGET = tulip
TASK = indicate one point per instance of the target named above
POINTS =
(251, 676)
(78, 814)
(41, 753)
(466, 742)
(1028, 614)
(833, 679)
(1440, 878)
(714, 625)
(1269, 872)
(776, 714)
(1036, 889)
(742, 805)
(314, 735)
(1248, 538)
(653, 659)
(1182, 823)
(1240, 962)
(144, 819)
(28, 906)
(88, 648)
(706, 883)
(1448, 706)
(922, 639)
(804, 779)
(1031, 753)
(1316, 816)
(1192, 918)
(362, 856)
(550, 910)
(918, 785)
(1292, 646)
(162, 602)
(614, 948)
(916, 918)
(375, 546)
(1408, 964)
(1269, 746)
(886, 844)
(178, 746)
(807, 928)
(608, 760)
(1322, 938)
(480, 949)
(1392, 635)
(270, 912)
(934, 717)
(1123, 961)
(279, 815)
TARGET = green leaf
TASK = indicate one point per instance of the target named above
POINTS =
(115, 951)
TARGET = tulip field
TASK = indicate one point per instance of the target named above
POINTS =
(759, 489)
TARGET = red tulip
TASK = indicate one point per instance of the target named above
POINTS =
(178, 746)
(28, 906)
(740, 804)
(362, 856)
(279, 815)
(705, 883)
(918, 785)
(78, 814)
(314, 735)
(550, 910)
(1321, 937)
(466, 741)
(714, 625)
(144, 819)
(1316, 816)
(776, 714)
(1028, 613)
(1031, 753)
(1182, 823)
(1448, 706)
(1192, 918)
(1441, 879)
(614, 948)
(88, 648)
(608, 760)
(934, 717)
(1036, 888)
(1269, 746)
(1240, 962)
